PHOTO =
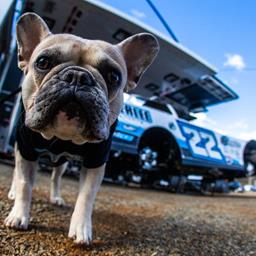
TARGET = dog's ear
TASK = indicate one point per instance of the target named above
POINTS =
(139, 52)
(30, 30)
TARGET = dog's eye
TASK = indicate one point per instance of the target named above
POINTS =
(43, 63)
(114, 77)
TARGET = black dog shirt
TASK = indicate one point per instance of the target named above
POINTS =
(32, 145)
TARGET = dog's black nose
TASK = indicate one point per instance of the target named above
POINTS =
(77, 77)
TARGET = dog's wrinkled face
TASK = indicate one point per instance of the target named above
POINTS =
(74, 82)
(73, 87)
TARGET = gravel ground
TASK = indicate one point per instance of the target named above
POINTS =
(133, 222)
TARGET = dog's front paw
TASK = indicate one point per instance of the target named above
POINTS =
(80, 230)
(11, 194)
(57, 200)
(17, 218)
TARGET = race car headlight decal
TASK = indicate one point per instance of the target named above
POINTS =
(122, 136)
(129, 129)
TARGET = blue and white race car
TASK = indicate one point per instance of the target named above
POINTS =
(152, 143)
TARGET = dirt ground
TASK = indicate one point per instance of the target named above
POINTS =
(130, 221)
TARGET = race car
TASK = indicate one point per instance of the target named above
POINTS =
(152, 145)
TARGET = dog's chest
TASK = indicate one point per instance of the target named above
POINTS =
(33, 146)
(56, 159)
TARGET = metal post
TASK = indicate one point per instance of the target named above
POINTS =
(161, 18)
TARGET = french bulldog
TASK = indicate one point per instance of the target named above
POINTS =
(72, 94)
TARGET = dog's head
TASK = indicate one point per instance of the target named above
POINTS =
(73, 87)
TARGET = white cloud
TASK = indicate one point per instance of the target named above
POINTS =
(235, 61)
(231, 81)
(251, 135)
(239, 129)
(239, 124)
(204, 121)
(138, 14)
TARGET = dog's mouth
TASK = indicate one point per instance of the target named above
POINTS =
(70, 112)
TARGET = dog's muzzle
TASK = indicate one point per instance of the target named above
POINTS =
(72, 103)
(77, 77)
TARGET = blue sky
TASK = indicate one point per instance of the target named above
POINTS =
(223, 33)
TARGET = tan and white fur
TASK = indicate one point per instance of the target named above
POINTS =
(131, 57)
(55, 183)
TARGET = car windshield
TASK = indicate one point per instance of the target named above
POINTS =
(152, 104)
(158, 106)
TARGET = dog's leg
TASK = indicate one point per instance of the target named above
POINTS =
(12, 191)
(55, 194)
(81, 223)
(25, 172)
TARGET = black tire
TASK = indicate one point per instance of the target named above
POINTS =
(161, 142)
